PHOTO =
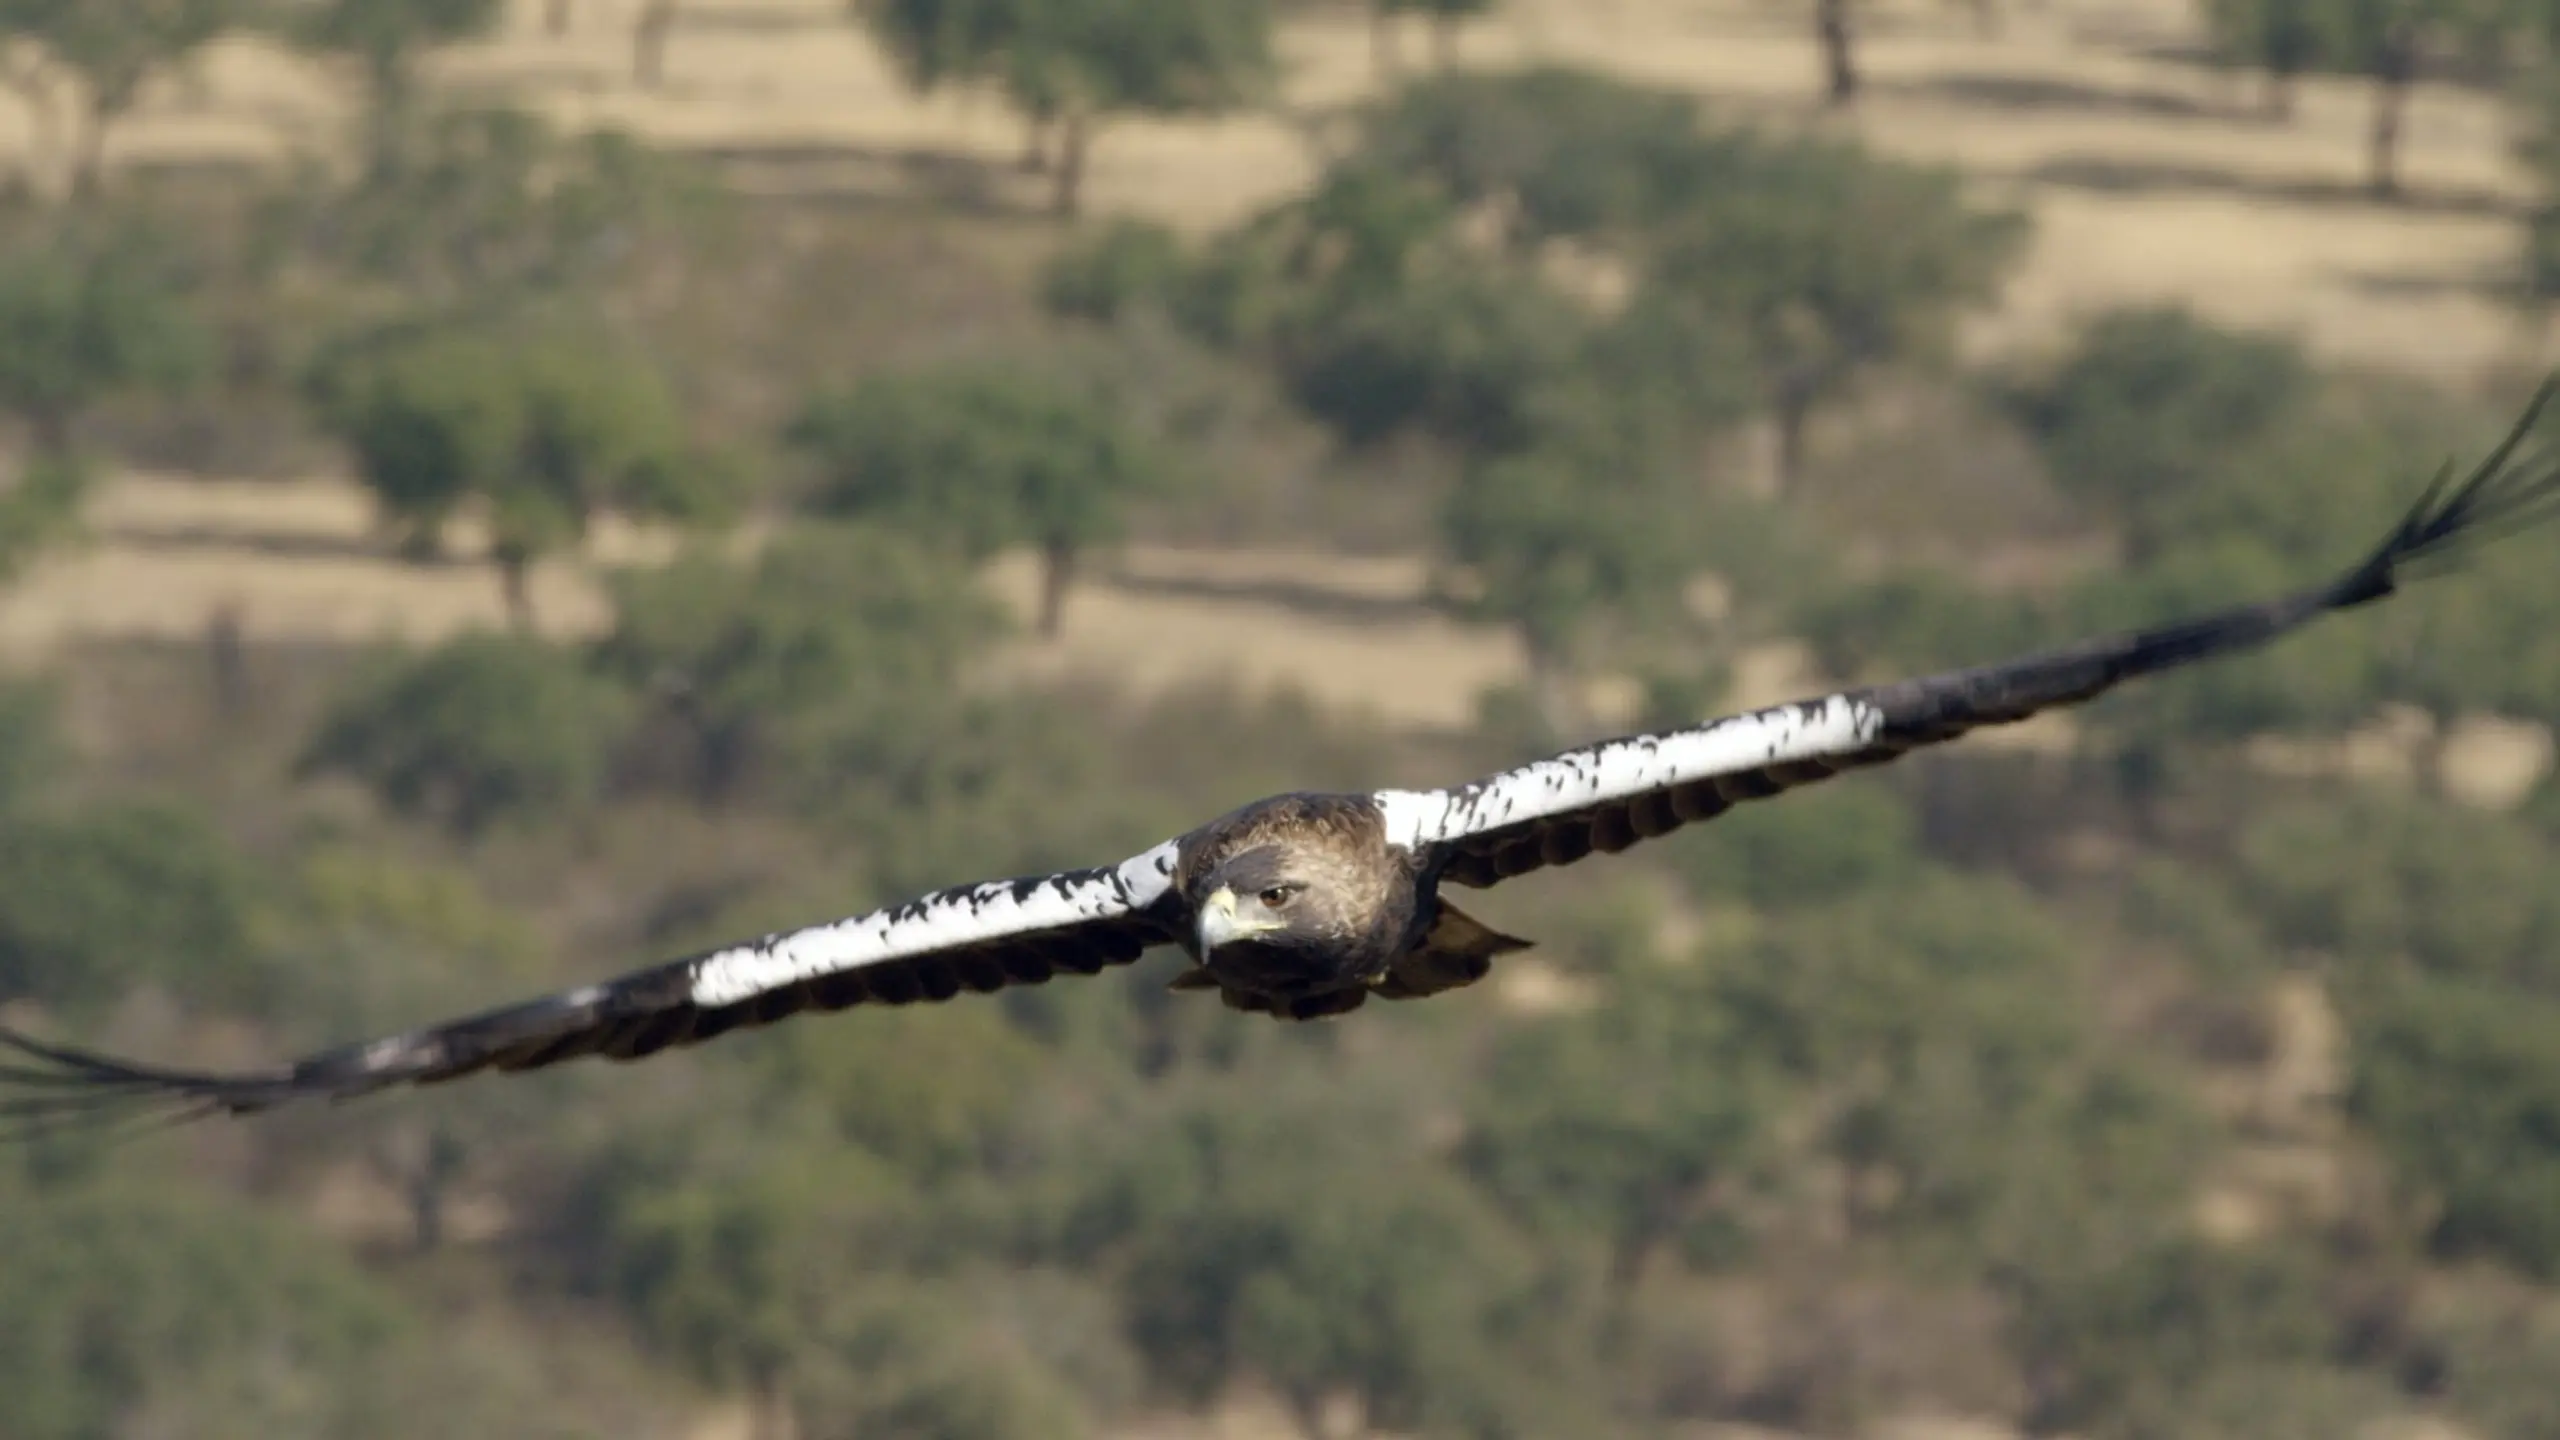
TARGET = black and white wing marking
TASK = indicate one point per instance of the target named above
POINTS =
(973, 937)
(1606, 797)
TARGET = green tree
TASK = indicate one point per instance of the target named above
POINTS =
(93, 903)
(1113, 271)
(982, 457)
(1936, 1037)
(759, 672)
(945, 42)
(482, 729)
(2397, 885)
(90, 309)
(1829, 261)
(493, 206)
(2458, 1082)
(1562, 153)
(2281, 38)
(1567, 540)
(1088, 62)
(542, 434)
(2147, 1338)
(1070, 67)
(121, 1290)
(112, 47)
(385, 39)
(1257, 1233)
(2141, 418)
(1624, 1122)
(1467, 353)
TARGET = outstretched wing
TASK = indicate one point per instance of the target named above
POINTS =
(975, 937)
(1606, 797)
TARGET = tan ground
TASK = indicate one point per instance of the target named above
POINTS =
(2145, 178)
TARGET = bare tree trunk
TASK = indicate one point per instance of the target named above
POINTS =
(88, 151)
(515, 577)
(2275, 97)
(1057, 572)
(2393, 73)
(1074, 135)
(649, 43)
(226, 655)
(555, 18)
(1385, 59)
(1794, 413)
(1831, 24)
(430, 1186)
(1035, 143)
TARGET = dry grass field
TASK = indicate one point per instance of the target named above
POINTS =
(2147, 173)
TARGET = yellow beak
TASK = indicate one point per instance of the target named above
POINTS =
(1220, 923)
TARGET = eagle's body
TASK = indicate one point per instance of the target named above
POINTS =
(1364, 898)
(1298, 906)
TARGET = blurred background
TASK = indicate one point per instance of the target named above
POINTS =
(503, 493)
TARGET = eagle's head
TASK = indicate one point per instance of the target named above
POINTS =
(1277, 896)
(1296, 895)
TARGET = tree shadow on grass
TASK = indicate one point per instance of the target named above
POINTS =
(2037, 94)
(1310, 598)
(853, 175)
(2141, 177)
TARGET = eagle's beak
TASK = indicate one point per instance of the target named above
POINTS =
(1219, 922)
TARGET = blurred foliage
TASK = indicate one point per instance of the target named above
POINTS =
(1564, 536)
(2150, 1341)
(1631, 1124)
(1565, 153)
(97, 902)
(1829, 262)
(90, 309)
(110, 49)
(496, 206)
(2459, 1083)
(832, 646)
(121, 1288)
(385, 40)
(1113, 270)
(1074, 67)
(540, 434)
(1826, 843)
(482, 729)
(2391, 883)
(984, 458)
(2136, 421)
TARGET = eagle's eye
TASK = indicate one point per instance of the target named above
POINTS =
(1278, 895)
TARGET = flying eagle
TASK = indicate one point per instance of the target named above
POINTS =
(1297, 906)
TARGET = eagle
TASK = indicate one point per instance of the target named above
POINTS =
(1301, 905)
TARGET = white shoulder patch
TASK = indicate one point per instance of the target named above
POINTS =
(1617, 769)
(944, 919)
